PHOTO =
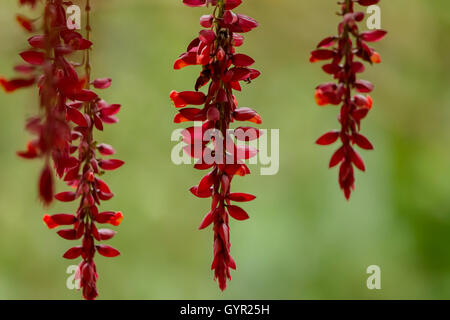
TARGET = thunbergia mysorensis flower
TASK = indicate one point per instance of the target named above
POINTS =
(49, 127)
(46, 64)
(214, 143)
(84, 174)
(70, 111)
(343, 51)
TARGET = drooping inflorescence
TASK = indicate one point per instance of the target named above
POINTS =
(214, 144)
(49, 126)
(84, 177)
(344, 50)
(64, 133)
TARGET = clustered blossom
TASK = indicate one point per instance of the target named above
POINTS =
(223, 69)
(344, 66)
(50, 129)
(64, 132)
(46, 65)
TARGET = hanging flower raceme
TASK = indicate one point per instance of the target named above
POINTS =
(64, 133)
(46, 64)
(88, 112)
(343, 52)
(214, 143)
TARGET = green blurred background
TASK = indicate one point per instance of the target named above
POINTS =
(303, 241)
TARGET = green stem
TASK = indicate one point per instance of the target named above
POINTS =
(88, 37)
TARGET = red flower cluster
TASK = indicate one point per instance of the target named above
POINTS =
(223, 69)
(343, 51)
(64, 132)
(58, 82)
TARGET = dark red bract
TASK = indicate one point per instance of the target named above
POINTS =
(224, 70)
(341, 52)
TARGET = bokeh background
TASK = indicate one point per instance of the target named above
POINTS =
(303, 241)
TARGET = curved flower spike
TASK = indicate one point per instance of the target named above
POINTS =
(341, 53)
(224, 70)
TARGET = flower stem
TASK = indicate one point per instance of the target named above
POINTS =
(88, 37)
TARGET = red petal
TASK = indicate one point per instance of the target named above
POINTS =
(367, 2)
(206, 183)
(110, 164)
(60, 219)
(205, 194)
(98, 123)
(25, 23)
(105, 149)
(66, 196)
(46, 186)
(240, 74)
(14, 84)
(328, 138)
(49, 221)
(77, 117)
(363, 86)
(357, 160)
(33, 57)
(73, 253)
(321, 54)
(102, 186)
(107, 251)
(110, 110)
(242, 60)
(327, 42)
(238, 40)
(202, 166)
(241, 197)
(375, 57)
(182, 99)
(247, 114)
(194, 3)
(237, 213)
(362, 141)
(187, 59)
(206, 21)
(102, 83)
(106, 234)
(337, 157)
(116, 219)
(360, 113)
(373, 36)
(83, 95)
(207, 36)
(68, 234)
(37, 42)
(231, 4)
(207, 220)
(111, 217)
(331, 68)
